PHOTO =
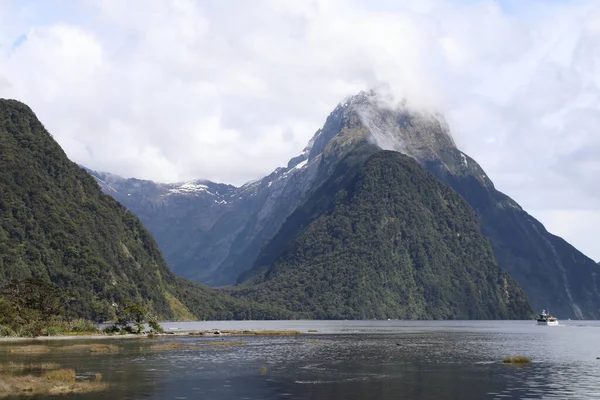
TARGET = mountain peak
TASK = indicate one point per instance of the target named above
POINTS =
(375, 116)
(420, 134)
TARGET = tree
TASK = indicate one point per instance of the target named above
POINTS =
(8, 314)
(136, 314)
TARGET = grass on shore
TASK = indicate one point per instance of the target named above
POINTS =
(55, 382)
(31, 349)
(61, 375)
(95, 348)
(516, 360)
(92, 348)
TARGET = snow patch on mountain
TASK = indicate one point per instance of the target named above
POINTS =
(287, 173)
(193, 187)
(301, 165)
(190, 187)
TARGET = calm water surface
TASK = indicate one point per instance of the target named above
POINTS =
(352, 360)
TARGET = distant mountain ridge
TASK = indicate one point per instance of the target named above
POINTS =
(215, 243)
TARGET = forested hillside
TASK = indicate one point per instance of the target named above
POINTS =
(382, 238)
(57, 225)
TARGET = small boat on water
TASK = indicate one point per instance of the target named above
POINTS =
(546, 319)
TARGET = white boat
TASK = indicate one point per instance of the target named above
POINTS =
(546, 319)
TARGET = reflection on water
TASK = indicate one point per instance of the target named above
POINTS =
(351, 360)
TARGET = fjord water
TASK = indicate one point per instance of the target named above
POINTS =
(351, 360)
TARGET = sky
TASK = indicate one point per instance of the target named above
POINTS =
(228, 90)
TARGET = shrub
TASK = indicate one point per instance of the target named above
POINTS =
(54, 330)
(111, 329)
(32, 329)
(7, 331)
(82, 326)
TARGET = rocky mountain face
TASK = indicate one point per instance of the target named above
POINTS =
(382, 238)
(215, 232)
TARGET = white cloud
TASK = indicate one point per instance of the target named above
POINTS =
(228, 90)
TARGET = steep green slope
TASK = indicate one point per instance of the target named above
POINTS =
(57, 225)
(384, 239)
